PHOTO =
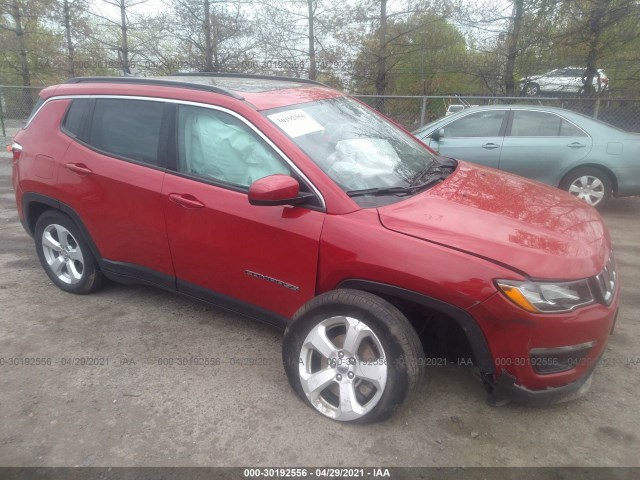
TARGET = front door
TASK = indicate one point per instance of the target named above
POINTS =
(476, 137)
(223, 248)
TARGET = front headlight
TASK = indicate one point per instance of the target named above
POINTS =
(547, 297)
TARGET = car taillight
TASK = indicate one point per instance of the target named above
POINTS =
(16, 149)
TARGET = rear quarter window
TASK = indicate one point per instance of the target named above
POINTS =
(77, 118)
(34, 110)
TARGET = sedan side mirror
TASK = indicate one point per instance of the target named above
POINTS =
(277, 190)
(437, 134)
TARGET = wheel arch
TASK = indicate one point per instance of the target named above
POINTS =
(598, 166)
(35, 204)
(472, 332)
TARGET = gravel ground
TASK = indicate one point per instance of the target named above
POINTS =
(131, 411)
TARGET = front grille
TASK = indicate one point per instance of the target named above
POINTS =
(606, 282)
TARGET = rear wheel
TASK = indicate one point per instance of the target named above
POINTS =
(64, 255)
(352, 356)
(589, 184)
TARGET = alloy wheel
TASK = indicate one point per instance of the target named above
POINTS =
(343, 368)
(63, 254)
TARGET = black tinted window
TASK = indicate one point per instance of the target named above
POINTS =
(479, 124)
(127, 128)
(77, 116)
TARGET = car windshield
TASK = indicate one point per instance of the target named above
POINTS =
(358, 149)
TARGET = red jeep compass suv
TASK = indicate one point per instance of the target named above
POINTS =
(292, 203)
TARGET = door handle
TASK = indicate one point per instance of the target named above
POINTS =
(490, 146)
(79, 168)
(576, 145)
(185, 200)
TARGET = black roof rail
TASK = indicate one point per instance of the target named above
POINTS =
(247, 75)
(157, 81)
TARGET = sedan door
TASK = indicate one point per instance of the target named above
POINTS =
(224, 249)
(476, 137)
(542, 145)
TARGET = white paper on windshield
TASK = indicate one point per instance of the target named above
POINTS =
(296, 123)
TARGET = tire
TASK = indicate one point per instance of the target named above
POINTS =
(531, 89)
(64, 254)
(589, 184)
(363, 383)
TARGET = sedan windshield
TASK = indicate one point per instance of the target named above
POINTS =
(359, 150)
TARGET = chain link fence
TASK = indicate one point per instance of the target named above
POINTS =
(414, 112)
(16, 104)
(411, 112)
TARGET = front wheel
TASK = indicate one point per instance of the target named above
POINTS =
(589, 184)
(352, 356)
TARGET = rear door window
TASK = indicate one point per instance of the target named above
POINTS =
(542, 124)
(129, 129)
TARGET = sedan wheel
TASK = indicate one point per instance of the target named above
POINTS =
(352, 356)
(589, 189)
(531, 89)
(590, 185)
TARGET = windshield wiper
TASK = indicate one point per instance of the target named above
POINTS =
(437, 167)
(396, 190)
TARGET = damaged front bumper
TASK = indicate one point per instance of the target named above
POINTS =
(506, 390)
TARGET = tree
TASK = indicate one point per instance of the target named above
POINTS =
(72, 16)
(215, 35)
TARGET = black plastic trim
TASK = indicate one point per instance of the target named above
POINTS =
(474, 334)
(506, 390)
(158, 82)
(232, 304)
(29, 198)
(130, 273)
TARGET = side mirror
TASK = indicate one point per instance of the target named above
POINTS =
(276, 190)
(437, 134)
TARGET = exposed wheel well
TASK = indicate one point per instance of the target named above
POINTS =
(602, 168)
(34, 210)
(444, 329)
(440, 334)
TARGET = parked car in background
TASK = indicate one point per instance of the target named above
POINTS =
(291, 203)
(562, 80)
(590, 159)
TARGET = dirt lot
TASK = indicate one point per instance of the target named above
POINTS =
(131, 411)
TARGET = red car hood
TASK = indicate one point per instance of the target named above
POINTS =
(538, 230)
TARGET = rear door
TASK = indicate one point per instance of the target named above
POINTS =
(476, 137)
(542, 145)
(112, 177)
(224, 249)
